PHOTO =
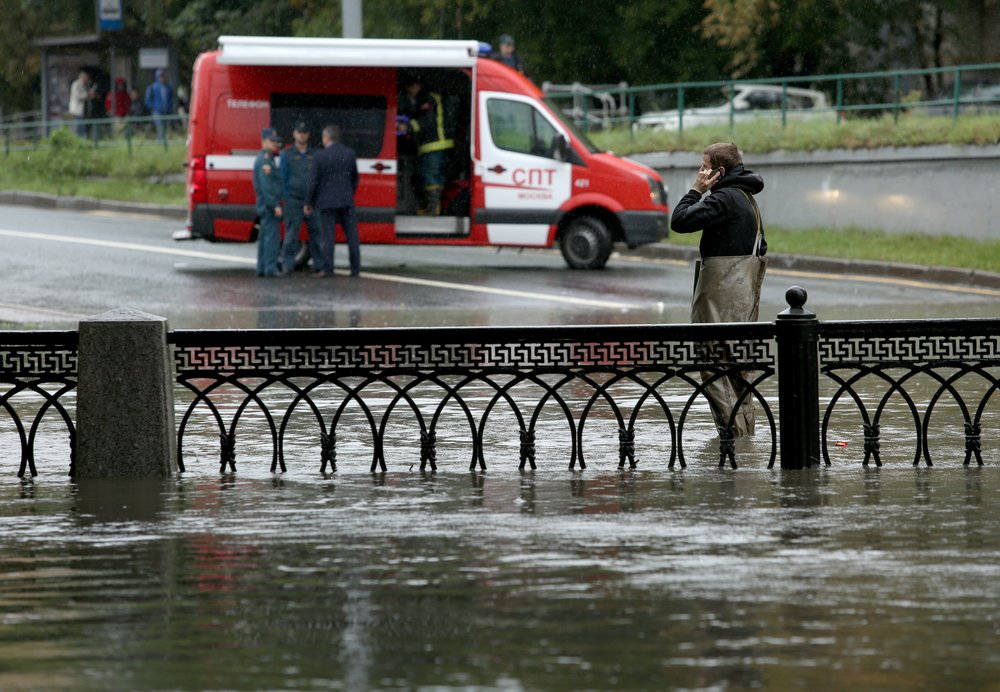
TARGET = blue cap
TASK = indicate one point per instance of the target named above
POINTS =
(301, 126)
(270, 133)
(506, 39)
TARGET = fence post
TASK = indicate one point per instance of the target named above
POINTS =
(125, 397)
(798, 382)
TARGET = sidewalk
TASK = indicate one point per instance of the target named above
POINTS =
(776, 260)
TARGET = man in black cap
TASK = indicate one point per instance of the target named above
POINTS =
(508, 54)
(268, 187)
(296, 161)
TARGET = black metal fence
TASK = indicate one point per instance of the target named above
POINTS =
(521, 395)
(37, 372)
(552, 379)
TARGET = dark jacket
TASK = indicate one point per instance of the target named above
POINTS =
(725, 216)
(434, 126)
(333, 178)
(295, 167)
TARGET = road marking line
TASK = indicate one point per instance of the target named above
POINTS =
(178, 252)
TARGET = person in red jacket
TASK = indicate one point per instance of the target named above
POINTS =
(117, 103)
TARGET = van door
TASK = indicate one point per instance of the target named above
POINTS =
(524, 181)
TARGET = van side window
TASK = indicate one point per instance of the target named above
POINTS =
(518, 126)
(361, 117)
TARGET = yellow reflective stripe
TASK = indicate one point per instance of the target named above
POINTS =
(440, 115)
(439, 145)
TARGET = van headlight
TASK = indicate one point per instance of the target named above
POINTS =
(657, 192)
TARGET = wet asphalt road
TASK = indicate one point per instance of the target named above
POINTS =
(58, 267)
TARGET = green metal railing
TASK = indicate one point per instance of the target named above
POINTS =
(28, 135)
(863, 93)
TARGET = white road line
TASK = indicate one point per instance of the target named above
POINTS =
(248, 261)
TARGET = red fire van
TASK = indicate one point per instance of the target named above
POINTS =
(520, 174)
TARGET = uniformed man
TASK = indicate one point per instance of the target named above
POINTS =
(296, 161)
(433, 127)
(267, 185)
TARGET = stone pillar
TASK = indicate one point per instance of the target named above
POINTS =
(125, 397)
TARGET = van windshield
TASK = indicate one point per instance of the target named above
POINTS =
(571, 126)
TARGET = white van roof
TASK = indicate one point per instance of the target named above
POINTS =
(346, 52)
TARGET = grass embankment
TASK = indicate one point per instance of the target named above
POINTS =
(906, 131)
(760, 136)
(67, 165)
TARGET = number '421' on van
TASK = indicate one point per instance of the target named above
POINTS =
(452, 148)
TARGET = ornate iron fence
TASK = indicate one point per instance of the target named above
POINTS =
(578, 374)
(38, 375)
(576, 391)
(921, 363)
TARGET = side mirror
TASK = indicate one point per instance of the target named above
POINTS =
(560, 148)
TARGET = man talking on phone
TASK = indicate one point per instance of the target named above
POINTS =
(729, 275)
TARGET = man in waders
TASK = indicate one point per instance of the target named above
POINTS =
(729, 275)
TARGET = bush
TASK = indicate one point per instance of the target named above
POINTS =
(64, 155)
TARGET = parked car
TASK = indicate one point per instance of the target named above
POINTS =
(748, 101)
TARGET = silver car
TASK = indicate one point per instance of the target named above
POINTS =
(748, 101)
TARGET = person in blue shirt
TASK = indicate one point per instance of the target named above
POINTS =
(296, 162)
(160, 102)
(268, 186)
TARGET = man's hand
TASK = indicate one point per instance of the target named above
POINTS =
(277, 212)
(706, 179)
(307, 210)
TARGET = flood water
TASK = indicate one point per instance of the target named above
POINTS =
(650, 579)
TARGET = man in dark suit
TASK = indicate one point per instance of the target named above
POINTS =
(333, 179)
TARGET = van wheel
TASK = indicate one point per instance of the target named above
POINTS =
(586, 244)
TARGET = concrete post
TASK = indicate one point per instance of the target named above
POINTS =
(125, 397)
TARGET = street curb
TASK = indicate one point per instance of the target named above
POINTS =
(42, 200)
(831, 265)
(913, 272)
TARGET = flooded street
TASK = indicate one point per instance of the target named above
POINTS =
(698, 578)
(879, 579)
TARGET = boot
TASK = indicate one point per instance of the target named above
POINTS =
(432, 206)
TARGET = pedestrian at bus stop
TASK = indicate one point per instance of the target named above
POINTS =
(267, 185)
(160, 102)
(333, 181)
(729, 276)
(78, 101)
(296, 162)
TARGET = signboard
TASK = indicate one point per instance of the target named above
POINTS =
(109, 15)
(153, 58)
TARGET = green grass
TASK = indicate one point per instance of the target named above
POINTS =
(855, 243)
(69, 166)
(760, 136)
